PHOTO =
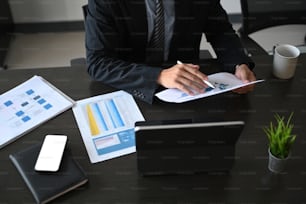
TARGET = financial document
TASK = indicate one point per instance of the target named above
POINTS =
(28, 105)
(106, 123)
(222, 81)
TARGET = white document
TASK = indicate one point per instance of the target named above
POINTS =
(223, 82)
(28, 105)
(106, 123)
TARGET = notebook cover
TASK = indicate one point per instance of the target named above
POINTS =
(47, 186)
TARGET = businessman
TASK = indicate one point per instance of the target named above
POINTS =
(134, 45)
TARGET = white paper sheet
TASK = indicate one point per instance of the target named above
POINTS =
(223, 82)
(28, 105)
(106, 123)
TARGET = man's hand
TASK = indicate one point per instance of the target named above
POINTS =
(246, 75)
(185, 77)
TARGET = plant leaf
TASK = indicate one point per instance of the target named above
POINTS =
(280, 136)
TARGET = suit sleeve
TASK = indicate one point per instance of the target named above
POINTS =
(103, 42)
(224, 40)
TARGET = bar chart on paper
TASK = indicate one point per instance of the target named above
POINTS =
(100, 122)
(106, 123)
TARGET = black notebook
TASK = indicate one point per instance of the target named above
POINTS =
(47, 186)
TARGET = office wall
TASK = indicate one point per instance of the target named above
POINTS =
(40, 11)
(231, 6)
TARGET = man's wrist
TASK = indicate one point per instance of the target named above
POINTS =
(250, 65)
(243, 65)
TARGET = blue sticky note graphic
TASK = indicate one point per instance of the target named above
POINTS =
(48, 106)
(26, 118)
(41, 101)
(8, 103)
(19, 113)
(29, 92)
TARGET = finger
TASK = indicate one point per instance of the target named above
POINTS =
(185, 89)
(194, 69)
(193, 81)
(193, 66)
(190, 75)
(192, 85)
(195, 75)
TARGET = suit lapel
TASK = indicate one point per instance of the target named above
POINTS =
(182, 9)
(135, 12)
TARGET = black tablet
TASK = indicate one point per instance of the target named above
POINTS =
(184, 147)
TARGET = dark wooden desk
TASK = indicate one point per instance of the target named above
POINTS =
(117, 180)
(6, 28)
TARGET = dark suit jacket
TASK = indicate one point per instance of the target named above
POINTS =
(116, 40)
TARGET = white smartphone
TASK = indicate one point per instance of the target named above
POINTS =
(51, 153)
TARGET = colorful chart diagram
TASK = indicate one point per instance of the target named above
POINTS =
(28, 105)
(103, 116)
(23, 108)
(107, 123)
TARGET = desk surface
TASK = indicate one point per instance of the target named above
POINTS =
(117, 180)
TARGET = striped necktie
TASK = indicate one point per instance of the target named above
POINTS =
(156, 44)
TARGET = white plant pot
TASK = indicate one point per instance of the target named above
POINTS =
(276, 165)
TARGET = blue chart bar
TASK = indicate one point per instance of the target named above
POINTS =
(114, 113)
(98, 112)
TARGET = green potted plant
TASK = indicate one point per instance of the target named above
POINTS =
(280, 139)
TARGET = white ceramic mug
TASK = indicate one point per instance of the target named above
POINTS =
(285, 61)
